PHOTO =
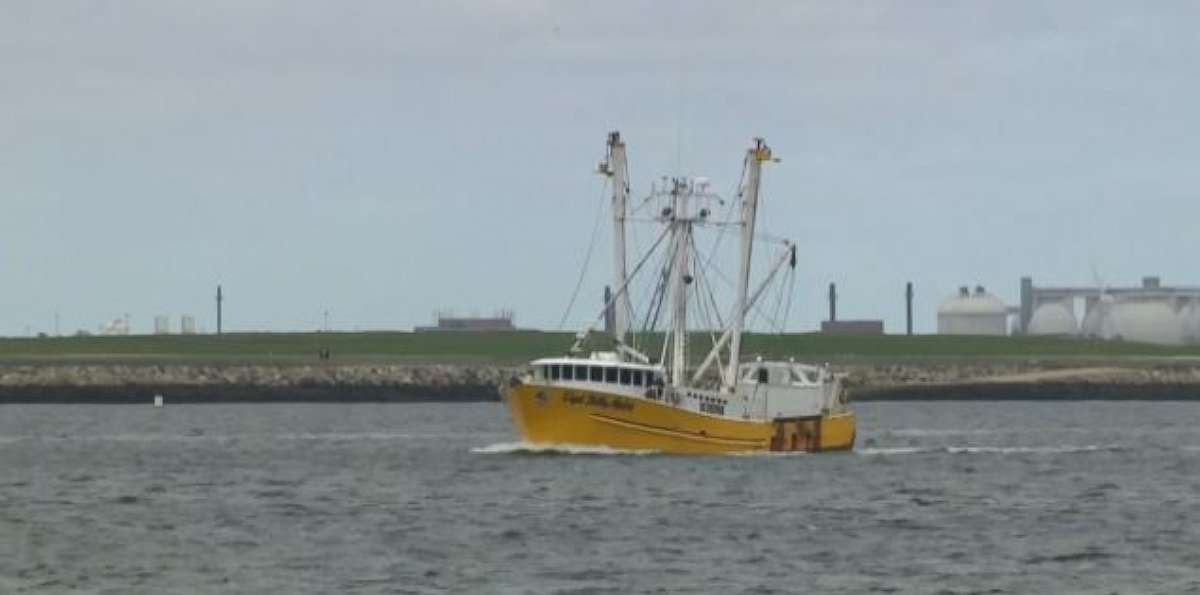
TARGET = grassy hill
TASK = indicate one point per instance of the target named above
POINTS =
(516, 347)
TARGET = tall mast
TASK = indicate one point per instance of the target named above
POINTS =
(755, 156)
(620, 195)
(679, 281)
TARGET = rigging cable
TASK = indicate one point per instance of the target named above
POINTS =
(587, 259)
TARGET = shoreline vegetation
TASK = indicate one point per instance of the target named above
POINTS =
(397, 366)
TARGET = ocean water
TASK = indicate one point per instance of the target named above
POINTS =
(950, 497)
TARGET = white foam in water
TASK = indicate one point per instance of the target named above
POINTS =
(943, 432)
(1004, 450)
(1001, 450)
(902, 450)
(351, 436)
(566, 449)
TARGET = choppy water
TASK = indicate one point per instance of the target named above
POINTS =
(949, 497)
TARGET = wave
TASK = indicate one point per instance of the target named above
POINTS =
(1004, 450)
(196, 435)
(900, 450)
(527, 448)
(942, 432)
(1001, 450)
(349, 436)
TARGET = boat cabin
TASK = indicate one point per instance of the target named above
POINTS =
(627, 377)
(786, 390)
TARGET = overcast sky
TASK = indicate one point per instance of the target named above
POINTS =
(383, 160)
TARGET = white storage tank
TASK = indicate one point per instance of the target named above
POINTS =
(1054, 318)
(1191, 322)
(973, 313)
(1148, 321)
(1099, 322)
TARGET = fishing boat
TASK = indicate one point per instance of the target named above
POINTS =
(616, 395)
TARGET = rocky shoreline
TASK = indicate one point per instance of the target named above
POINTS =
(183, 383)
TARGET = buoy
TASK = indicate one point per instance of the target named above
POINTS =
(158, 401)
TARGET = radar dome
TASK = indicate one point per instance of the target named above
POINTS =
(1054, 318)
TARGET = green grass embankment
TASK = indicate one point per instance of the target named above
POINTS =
(517, 347)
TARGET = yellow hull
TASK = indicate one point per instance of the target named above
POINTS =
(557, 416)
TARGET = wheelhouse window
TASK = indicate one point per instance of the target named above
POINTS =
(554, 372)
(566, 372)
(610, 375)
(581, 373)
(597, 374)
(637, 377)
(626, 376)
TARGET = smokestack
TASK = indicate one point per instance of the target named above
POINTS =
(610, 311)
(832, 302)
(220, 299)
(1026, 303)
(908, 297)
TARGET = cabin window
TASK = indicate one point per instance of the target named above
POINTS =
(626, 377)
(597, 374)
(581, 373)
(763, 376)
(637, 377)
(566, 373)
(554, 372)
(610, 375)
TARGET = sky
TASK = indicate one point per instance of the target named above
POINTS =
(385, 160)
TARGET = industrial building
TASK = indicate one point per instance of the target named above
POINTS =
(973, 313)
(1147, 313)
(1150, 312)
(503, 321)
(834, 326)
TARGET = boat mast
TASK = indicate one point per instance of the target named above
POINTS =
(680, 279)
(755, 156)
(620, 195)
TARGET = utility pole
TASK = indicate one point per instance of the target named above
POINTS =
(220, 298)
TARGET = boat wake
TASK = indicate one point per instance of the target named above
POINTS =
(1000, 450)
(527, 448)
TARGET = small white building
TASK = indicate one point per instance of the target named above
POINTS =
(116, 326)
(973, 313)
(162, 325)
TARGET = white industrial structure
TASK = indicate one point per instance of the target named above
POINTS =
(1055, 317)
(187, 324)
(162, 325)
(1149, 313)
(973, 313)
(116, 326)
